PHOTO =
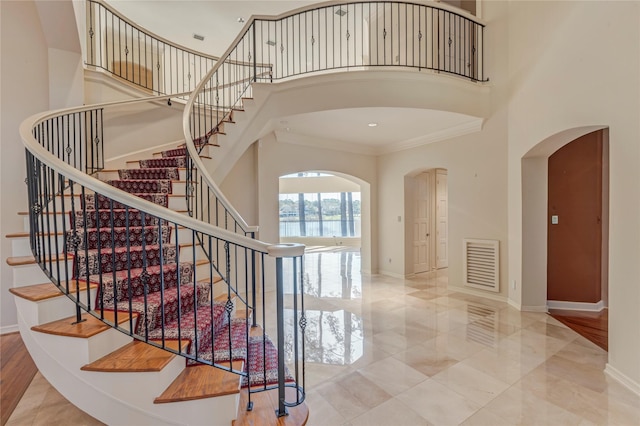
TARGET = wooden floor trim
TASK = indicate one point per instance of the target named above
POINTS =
(593, 326)
(17, 369)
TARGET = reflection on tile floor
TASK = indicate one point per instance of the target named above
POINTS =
(388, 351)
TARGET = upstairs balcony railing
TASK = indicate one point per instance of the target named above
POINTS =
(337, 36)
(127, 51)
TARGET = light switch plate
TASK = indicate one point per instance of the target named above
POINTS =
(554, 219)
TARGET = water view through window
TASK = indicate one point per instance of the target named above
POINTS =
(319, 214)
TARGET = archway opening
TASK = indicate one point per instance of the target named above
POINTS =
(320, 209)
(547, 224)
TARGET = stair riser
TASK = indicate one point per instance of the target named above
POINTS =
(136, 388)
(22, 247)
(154, 316)
(53, 309)
(177, 203)
(58, 221)
(114, 175)
(82, 351)
(179, 188)
(206, 151)
(121, 237)
(32, 274)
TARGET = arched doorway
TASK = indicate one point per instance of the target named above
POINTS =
(325, 208)
(555, 211)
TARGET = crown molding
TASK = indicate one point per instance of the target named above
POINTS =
(441, 135)
(315, 142)
(354, 148)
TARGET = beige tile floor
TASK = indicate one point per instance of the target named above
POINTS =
(387, 351)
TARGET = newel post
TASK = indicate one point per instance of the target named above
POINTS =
(280, 252)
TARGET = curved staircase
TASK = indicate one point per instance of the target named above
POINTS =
(139, 273)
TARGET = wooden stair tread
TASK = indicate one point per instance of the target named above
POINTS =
(134, 357)
(39, 292)
(88, 328)
(25, 234)
(31, 260)
(202, 381)
(47, 212)
(265, 405)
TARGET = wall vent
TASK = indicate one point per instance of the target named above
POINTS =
(482, 264)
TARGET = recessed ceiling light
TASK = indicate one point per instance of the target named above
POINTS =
(372, 124)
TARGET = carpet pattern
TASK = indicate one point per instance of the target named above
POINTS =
(133, 258)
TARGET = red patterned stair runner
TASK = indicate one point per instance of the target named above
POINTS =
(140, 273)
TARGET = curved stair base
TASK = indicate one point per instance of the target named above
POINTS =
(117, 398)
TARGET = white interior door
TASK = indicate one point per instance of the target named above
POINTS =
(442, 226)
(421, 224)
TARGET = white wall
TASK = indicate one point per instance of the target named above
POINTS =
(241, 186)
(58, 23)
(66, 78)
(575, 65)
(25, 91)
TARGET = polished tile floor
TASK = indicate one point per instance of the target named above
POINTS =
(388, 351)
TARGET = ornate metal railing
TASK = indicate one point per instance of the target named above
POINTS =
(349, 35)
(164, 277)
(124, 49)
(365, 34)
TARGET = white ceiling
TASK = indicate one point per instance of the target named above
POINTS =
(397, 128)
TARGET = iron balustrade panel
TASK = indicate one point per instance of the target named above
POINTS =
(137, 56)
(361, 35)
(205, 204)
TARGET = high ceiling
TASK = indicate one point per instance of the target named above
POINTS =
(218, 22)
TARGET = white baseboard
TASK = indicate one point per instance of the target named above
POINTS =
(576, 306)
(479, 293)
(391, 274)
(514, 304)
(621, 378)
(534, 308)
(9, 329)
